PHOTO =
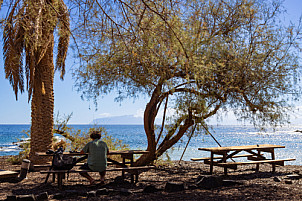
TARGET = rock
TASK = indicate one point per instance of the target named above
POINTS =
(174, 186)
(277, 179)
(71, 192)
(113, 192)
(294, 176)
(58, 196)
(42, 196)
(192, 186)
(150, 189)
(208, 182)
(288, 182)
(91, 194)
(102, 191)
(230, 182)
(11, 198)
(30, 197)
(125, 192)
(297, 171)
(199, 178)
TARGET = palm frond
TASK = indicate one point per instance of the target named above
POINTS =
(64, 34)
(13, 36)
(30, 68)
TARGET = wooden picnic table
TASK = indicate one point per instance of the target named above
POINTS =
(254, 156)
(125, 155)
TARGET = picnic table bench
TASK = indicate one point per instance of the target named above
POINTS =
(255, 156)
(134, 171)
(8, 174)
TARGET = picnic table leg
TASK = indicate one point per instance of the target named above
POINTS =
(123, 172)
(258, 165)
(224, 161)
(211, 163)
(273, 158)
(60, 179)
(131, 164)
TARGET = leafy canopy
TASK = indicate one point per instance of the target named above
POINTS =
(206, 55)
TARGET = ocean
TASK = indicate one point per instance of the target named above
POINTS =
(226, 135)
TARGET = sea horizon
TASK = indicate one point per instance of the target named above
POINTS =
(227, 135)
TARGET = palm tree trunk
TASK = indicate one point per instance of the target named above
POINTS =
(42, 106)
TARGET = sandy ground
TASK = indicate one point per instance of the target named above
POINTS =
(251, 186)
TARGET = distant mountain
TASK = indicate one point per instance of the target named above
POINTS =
(121, 120)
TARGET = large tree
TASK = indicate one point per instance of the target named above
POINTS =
(28, 34)
(197, 57)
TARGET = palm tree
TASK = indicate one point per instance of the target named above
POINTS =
(28, 56)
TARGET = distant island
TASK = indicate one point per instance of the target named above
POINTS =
(125, 119)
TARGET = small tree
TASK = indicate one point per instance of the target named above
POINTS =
(198, 57)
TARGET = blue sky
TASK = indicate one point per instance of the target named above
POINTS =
(68, 100)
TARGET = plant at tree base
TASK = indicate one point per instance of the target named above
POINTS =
(198, 58)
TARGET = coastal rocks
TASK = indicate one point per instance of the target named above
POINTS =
(30, 197)
(174, 186)
(288, 179)
(294, 176)
(102, 191)
(277, 179)
(42, 196)
(150, 189)
(209, 182)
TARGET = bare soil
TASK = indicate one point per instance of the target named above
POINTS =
(252, 185)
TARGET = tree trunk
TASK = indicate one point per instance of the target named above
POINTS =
(149, 119)
(42, 106)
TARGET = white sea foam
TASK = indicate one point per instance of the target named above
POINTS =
(9, 148)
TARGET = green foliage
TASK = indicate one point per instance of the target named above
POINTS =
(207, 55)
(77, 139)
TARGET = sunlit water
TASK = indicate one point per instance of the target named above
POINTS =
(134, 136)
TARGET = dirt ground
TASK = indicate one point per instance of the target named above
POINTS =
(250, 186)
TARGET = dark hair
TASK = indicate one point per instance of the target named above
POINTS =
(95, 135)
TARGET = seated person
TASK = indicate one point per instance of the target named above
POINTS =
(97, 151)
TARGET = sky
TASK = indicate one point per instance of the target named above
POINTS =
(68, 100)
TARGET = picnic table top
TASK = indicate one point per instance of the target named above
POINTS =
(111, 152)
(244, 147)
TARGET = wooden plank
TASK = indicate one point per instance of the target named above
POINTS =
(221, 157)
(228, 165)
(276, 161)
(242, 148)
(78, 164)
(7, 174)
(113, 152)
(109, 169)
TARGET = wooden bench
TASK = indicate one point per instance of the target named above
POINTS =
(233, 165)
(8, 174)
(134, 171)
(220, 157)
